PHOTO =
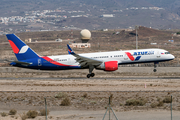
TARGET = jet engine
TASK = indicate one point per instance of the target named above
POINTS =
(108, 66)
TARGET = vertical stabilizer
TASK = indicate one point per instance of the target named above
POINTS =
(21, 50)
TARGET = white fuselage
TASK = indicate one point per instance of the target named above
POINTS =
(123, 57)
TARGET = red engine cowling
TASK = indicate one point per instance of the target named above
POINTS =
(111, 65)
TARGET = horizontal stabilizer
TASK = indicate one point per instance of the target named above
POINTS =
(20, 62)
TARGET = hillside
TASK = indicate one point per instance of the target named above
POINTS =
(101, 41)
(31, 15)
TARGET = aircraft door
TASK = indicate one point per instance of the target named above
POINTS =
(125, 56)
(69, 61)
(158, 54)
(39, 62)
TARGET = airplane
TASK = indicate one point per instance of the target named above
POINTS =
(107, 61)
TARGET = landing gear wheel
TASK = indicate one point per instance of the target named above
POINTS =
(155, 65)
(88, 75)
(92, 74)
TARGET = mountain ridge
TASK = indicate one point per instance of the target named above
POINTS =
(159, 14)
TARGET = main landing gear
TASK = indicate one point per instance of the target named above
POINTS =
(155, 65)
(90, 75)
(91, 67)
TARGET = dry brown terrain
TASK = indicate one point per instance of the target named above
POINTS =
(137, 92)
(100, 41)
(149, 93)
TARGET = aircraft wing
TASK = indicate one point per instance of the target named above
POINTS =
(84, 61)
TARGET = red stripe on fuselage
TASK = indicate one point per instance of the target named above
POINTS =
(130, 56)
(14, 47)
(54, 62)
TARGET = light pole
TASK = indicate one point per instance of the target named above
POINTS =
(136, 27)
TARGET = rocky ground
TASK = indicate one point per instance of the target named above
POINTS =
(136, 93)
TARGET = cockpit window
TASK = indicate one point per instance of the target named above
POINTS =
(167, 53)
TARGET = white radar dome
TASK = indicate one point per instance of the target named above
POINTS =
(85, 34)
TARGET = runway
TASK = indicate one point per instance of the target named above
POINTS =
(84, 78)
(125, 79)
(113, 84)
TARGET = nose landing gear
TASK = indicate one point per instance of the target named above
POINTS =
(155, 65)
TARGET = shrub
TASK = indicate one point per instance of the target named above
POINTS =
(158, 99)
(84, 95)
(136, 102)
(32, 114)
(3, 114)
(24, 116)
(167, 99)
(12, 112)
(178, 33)
(65, 102)
(160, 104)
(93, 102)
(61, 95)
(43, 112)
(154, 105)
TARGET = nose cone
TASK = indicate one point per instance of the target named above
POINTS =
(172, 57)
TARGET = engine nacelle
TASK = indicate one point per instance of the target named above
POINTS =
(108, 66)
